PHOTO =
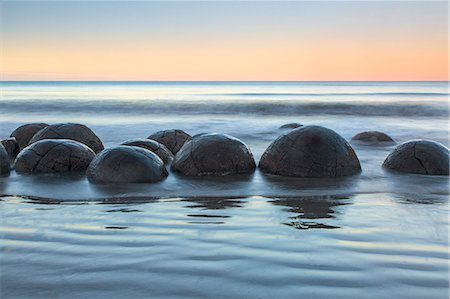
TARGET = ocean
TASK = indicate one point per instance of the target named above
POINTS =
(379, 234)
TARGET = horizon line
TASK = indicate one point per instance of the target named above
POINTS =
(249, 81)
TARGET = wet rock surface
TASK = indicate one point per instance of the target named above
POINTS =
(214, 154)
(77, 132)
(373, 137)
(172, 139)
(11, 146)
(23, 134)
(310, 151)
(126, 164)
(419, 156)
(291, 126)
(154, 146)
(54, 156)
(5, 165)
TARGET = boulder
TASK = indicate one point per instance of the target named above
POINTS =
(310, 151)
(154, 146)
(54, 156)
(213, 154)
(5, 164)
(72, 131)
(23, 134)
(11, 146)
(291, 126)
(419, 156)
(172, 139)
(372, 137)
(126, 164)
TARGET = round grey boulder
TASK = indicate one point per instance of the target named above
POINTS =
(419, 156)
(172, 139)
(126, 164)
(54, 156)
(213, 154)
(310, 151)
(11, 146)
(23, 134)
(291, 126)
(154, 146)
(72, 131)
(372, 137)
(5, 164)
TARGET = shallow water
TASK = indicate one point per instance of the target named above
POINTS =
(375, 235)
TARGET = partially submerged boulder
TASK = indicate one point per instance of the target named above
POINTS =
(23, 134)
(5, 165)
(214, 154)
(77, 132)
(54, 156)
(291, 126)
(373, 137)
(172, 139)
(11, 146)
(310, 151)
(154, 146)
(419, 156)
(126, 164)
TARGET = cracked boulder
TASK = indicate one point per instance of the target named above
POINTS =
(158, 148)
(373, 137)
(54, 156)
(310, 151)
(126, 164)
(419, 156)
(72, 131)
(214, 154)
(23, 134)
(5, 164)
(290, 126)
(172, 139)
(11, 146)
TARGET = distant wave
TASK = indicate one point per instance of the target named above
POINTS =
(216, 108)
(415, 94)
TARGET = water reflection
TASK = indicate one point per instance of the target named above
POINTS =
(317, 208)
(211, 204)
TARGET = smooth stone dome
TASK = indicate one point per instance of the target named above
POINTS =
(77, 132)
(291, 126)
(154, 146)
(11, 146)
(372, 137)
(172, 139)
(419, 156)
(5, 165)
(310, 151)
(54, 156)
(213, 154)
(126, 164)
(23, 134)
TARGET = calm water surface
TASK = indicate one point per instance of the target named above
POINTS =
(376, 235)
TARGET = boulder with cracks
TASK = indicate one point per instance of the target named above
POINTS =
(5, 165)
(154, 146)
(23, 134)
(172, 139)
(54, 156)
(11, 146)
(310, 151)
(214, 154)
(419, 156)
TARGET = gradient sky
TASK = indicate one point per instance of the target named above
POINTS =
(224, 40)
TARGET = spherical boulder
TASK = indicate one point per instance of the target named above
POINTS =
(419, 156)
(310, 151)
(372, 137)
(23, 134)
(172, 139)
(54, 156)
(154, 146)
(5, 165)
(72, 131)
(291, 126)
(126, 164)
(213, 154)
(11, 146)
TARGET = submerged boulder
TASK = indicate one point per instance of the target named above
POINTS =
(419, 156)
(213, 154)
(23, 134)
(291, 126)
(72, 131)
(5, 164)
(372, 137)
(310, 151)
(54, 156)
(126, 164)
(154, 146)
(11, 146)
(172, 139)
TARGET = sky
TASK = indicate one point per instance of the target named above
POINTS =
(249, 41)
